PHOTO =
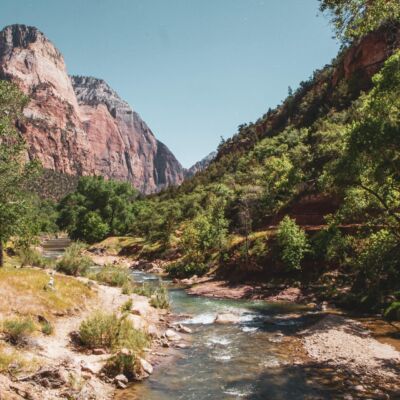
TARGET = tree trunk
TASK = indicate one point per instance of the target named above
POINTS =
(1, 254)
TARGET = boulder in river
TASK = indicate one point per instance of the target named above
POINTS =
(227, 318)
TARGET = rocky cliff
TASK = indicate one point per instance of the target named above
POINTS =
(200, 165)
(80, 126)
(123, 145)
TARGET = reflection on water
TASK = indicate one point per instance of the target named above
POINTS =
(247, 360)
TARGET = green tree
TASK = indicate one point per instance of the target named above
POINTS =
(352, 19)
(96, 209)
(292, 242)
(16, 207)
(371, 160)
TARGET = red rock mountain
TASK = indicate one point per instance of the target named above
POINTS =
(79, 125)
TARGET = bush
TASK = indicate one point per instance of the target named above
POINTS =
(145, 289)
(74, 262)
(393, 311)
(47, 328)
(113, 276)
(292, 242)
(182, 269)
(332, 246)
(32, 257)
(99, 330)
(17, 329)
(130, 338)
(160, 298)
(110, 332)
(123, 363)
(126, 307)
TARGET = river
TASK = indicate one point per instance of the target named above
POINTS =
(249, 360)
(258, 358)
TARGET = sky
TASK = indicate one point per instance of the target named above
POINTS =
(193, 69)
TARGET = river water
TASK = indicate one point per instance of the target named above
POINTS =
(249, 360)
(255, 359)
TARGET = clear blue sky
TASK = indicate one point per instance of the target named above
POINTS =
(193, 69)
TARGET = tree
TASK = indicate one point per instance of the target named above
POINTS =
(292, 242)
(103, 205)
(247, 200)
(15, 201)
(352, 19)
(371, 158)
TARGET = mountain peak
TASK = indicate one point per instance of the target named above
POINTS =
(18, 36)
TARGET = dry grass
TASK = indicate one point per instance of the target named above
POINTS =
(14, 361)
(113, 245)
(23, 292)
(135, 247)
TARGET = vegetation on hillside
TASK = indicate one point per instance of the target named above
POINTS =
(310, 187)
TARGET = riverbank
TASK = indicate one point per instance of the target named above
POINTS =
(210, 287)
(53, 366)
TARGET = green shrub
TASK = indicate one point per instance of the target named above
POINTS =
(292, 243)
(99, 330)
(113, 276)
(332, 246)
(32, 257)
(74, 262)
(182, 269)
(47, 328)
(160, 298)
(259, 248)
(17, 329)
(110, 332)
(145, 289)
(393, 311)
(127, 306)
(122, 363)
(130, 338)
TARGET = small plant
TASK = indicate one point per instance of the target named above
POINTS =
(292, 242)
(16, 330)
(127, 306)
(122, 363)
(130, 338)
(145, 289)
(113, 276)
(160, 298)
(126, 288)
(74, 262)
(393, 311)
(99, 330)
(47, 328)
(32, 257)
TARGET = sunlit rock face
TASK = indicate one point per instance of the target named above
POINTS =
(124, 146)
(79, 125)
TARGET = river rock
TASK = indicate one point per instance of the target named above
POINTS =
(121, 378)
(146, 366)
(183, 329)
(227, 318)
(99, 352)
(172, 335)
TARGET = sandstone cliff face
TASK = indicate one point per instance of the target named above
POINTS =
(53, 129)
(124, 146)
(80, 126)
